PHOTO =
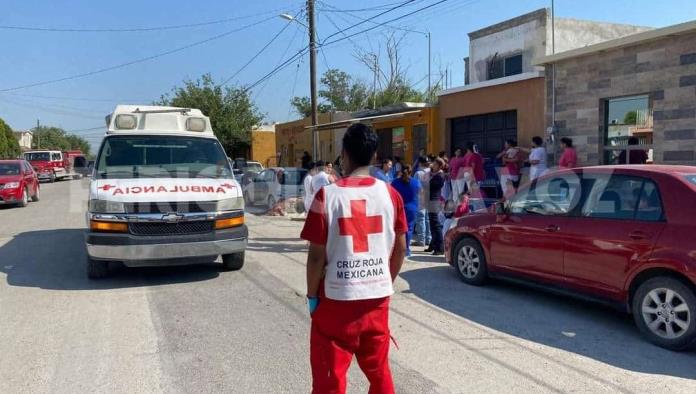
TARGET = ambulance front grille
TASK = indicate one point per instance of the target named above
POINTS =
(179, 228)
(169, 207)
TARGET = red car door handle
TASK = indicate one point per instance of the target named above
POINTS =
(552, 228)
(637, 235)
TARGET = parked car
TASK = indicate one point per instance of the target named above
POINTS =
(275, 184)
(253, 167)
(18, 183)
(623, 235)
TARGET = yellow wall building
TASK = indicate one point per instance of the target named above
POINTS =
(403, 130)
(263, 145)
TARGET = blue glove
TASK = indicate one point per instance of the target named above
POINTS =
(312, 303)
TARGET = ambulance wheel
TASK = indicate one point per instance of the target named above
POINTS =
(271, 202)
(97, 269)
(233, 262)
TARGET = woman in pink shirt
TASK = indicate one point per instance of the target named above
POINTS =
(569, 158)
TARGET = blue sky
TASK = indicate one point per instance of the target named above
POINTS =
(36, 56)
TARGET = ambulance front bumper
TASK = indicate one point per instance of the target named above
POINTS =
(164, 250)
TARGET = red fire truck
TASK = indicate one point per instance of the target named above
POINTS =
(52, 165)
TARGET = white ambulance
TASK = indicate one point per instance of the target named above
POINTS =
(163, 193)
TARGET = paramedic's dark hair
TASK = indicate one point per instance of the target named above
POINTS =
(538, 141)
(360, 144)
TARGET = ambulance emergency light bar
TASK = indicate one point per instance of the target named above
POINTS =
(129, 121)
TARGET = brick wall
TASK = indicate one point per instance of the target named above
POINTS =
(664, 69)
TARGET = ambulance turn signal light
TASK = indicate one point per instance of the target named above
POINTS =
(112, 227)
(229, 222)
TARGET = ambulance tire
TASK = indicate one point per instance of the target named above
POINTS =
(470, 262)
(271, 202)
(233, 262)
(97, 269)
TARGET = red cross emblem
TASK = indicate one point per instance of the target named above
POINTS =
(106, 187)
(228, 185)
(359, 226)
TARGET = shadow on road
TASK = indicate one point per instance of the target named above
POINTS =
(276, 245)
(587, 329)
(55, 259)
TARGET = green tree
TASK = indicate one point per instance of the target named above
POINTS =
(339, 92)
(49, 137)
(631, 117)
(9, 146)
(231, 111)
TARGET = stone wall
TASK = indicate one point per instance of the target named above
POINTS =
(664, 69)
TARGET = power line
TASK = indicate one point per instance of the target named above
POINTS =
(292, 40)
(375, 8)
(275, 37)
(382, 24)
(278, 68)
(141, 60)
(371, 18)
(376, 23)
(109, 100)
(135, 29)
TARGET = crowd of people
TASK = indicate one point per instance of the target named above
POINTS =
(437, 189)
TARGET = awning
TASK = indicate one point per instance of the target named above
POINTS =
(348, 122)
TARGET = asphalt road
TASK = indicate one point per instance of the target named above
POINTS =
(198, 329)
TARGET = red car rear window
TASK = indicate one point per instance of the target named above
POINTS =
(691, 178)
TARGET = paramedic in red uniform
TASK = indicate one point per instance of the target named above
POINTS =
(357, 233)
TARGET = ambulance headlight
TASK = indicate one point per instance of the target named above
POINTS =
(104, 206)
(230, 204)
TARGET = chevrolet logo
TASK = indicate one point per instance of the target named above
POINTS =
(172, 217)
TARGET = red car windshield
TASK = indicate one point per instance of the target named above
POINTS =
(691, 178)
(37, 156)
(9, 169)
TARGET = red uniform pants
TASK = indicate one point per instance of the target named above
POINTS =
(341, 329)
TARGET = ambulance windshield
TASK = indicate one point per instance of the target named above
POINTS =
(162, 157)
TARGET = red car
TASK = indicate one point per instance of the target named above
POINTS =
(623, 235)
(18, 183)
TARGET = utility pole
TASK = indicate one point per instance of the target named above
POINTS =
(38, 135)
(374, 82)
(313, 74)
(430, 88)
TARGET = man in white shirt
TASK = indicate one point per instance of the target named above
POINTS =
(321, 178)
(537, 159)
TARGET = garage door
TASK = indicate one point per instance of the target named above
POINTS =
(488, 131)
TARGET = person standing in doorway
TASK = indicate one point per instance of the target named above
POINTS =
(409, 188)
(537, 159)
(357, 219)
(306, 161)
(437, 181)
(569, 157)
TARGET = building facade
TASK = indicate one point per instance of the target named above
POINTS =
(263, 145)
(295, 137)
(505, 97)
(641, 88)
(25, 138)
